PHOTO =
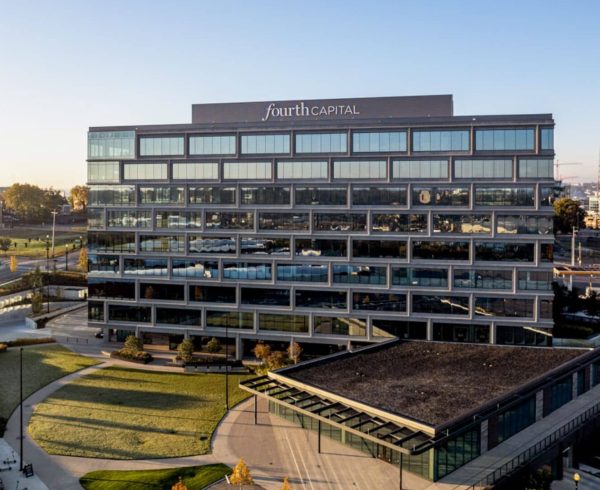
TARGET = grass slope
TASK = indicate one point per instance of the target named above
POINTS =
(123, 413)
(41, 366)
(194, 477)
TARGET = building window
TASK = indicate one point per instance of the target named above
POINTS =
(326, 325)
(212, 294)
(95, 311)
(256, 144)
(178, 219)
(124, 313)
(265, 246)
(316, 247)
(229, 220)
(230, 319)
(103, 172)
(162, 291)
(459, 332)
(504, 139)
(101, 288)
(161, 243)
(504, 251)
(195, 269)
(283, 323)
(346, 222)
(177, 316)
(558, 395)
(99, 264)
(379, 196)
(371, 301)
(440, 250)
(511, 335)
(399, 223)
(505, 196)
(508, 307)
(212, 195)
(420, 169)
(296, 169)
(524, 225)
(403, 329)
(536, 168)
(379, 141)
(112, 195)
(145, 171)
(111, 242)
(111, 144)
(146, 267)
(212, 245)
(515, 419)
(359, 274)
(302, 272)
(265, 195)
(379, 249)
(161, 145)
(462, 223)
(440, 196)
(308, 298)
(456, 452)
(321, 196)
(95, 218)
(161, 195)
(321, 142)
(212, 145)
(547, 138)
(129, 219)
(535, 280)
(549, 194)
(453, 140)
(483, 169)
(195, 171)
(247, 170)
(247, 271)
(483, 279)
(440, 305)
(433, 278)
(284, 221)
(360, 169)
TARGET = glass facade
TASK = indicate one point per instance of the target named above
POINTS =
(343, 227)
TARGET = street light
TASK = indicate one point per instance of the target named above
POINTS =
(576, 479)
(47, 272)
(227, 365)
(67, 257)
(54, 213)
(21, 408)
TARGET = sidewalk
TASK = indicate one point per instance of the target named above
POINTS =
(13, 478)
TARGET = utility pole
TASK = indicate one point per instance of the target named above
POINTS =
(21, 410)
(572, 256)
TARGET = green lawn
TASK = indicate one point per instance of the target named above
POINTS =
(29, 245)
(194, 477)
(41, 365)
(122, 413)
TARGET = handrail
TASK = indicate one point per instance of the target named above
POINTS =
(538, 448)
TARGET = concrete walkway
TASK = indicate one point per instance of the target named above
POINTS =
(273, 449)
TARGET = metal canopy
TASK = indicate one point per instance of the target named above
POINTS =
(350, 419)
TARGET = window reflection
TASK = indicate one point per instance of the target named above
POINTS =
(399, 223)
(440, 196)
(460, 223)
(340, 222)
(307, 247)
(211, 245)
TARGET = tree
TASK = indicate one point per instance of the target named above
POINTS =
(179, 485)
(78, 197)
(26, 201)
(277, 360)
(241, 475)
(568, 214)
(262, 351)
(83, 260)
(133, 344)
(13, 264)
(37, 303)
(213, 345)
(5, 243)
(185, 350)
(286, 484)
(53, 199)
(35, 279)
(294, 352)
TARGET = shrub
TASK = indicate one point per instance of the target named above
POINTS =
(37, 303)
(132, 343)
(277, 360)
(140, 357)
(32, 341)
(3, 348)
(185, 350)
(213, 345)
(262, 351)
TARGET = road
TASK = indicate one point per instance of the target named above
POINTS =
(28, 264)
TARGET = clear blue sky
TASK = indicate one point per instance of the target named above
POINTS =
(67, 65)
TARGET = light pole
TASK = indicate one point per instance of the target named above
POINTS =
(47, 275)
(54, 213)
(227, 365)
(67, 257)
(21, 409)
(576, 479)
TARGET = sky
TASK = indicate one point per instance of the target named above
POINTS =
(67, 65)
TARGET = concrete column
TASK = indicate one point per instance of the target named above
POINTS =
(239, 348)
(574, 385)
(429, 331)
(186, 334)
(484, 436)
(493, 335)
(539, 405)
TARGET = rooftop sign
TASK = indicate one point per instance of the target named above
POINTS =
(325, 109)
